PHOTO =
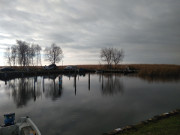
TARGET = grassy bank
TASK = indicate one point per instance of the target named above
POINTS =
(166, 126)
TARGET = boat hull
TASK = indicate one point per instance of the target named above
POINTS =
(24, 126)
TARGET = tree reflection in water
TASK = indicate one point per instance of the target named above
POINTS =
(26, 89)
(110, 84)
(53, 86)
(23, 90)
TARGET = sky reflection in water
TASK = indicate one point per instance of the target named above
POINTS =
(87, 104)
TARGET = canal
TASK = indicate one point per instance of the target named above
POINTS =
(88, 104)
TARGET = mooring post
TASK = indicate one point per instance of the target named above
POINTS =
(102, 81)
(75, 83)
(89, 81)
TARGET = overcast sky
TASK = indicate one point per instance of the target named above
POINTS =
(147, 30)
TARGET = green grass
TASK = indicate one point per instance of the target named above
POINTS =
(166, 126)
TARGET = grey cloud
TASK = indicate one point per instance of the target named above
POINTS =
(139, 27)
(58, 37)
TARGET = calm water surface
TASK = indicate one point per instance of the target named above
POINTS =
(87, 105)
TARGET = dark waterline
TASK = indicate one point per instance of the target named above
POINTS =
(90, 104)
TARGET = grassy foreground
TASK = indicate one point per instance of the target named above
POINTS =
(166, 126)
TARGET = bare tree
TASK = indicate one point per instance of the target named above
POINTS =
(31, 54)
(117, 56)
(23, 53)
(111, 55)
(54, 54)
(106, 55)
(8, 55)
(38, 54)
(14, 54)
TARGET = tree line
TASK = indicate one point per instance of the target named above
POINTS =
(26, 54)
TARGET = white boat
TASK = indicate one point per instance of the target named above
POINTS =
(24, 126)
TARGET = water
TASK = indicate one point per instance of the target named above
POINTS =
(87, 105)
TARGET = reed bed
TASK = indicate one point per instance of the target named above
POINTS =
(149, 72)
(144, 69)
(168, 71)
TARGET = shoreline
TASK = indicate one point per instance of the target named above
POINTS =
(149, 72)
(7, 75)
(19, 74)
(134, 128)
